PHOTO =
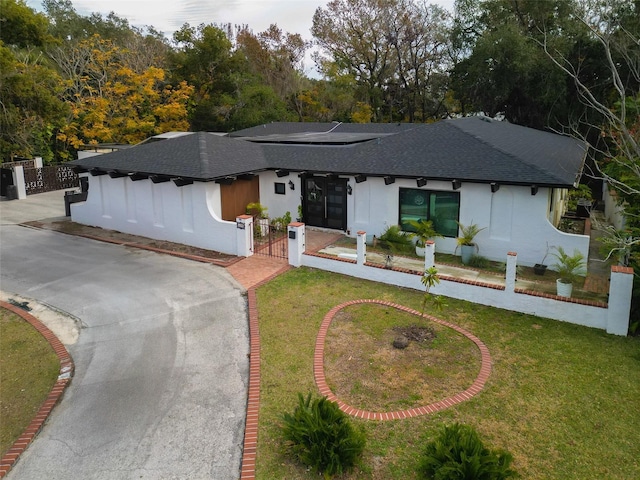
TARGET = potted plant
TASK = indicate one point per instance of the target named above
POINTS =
(424, 231)
(540, 268)
(466, 241)
(569, 268)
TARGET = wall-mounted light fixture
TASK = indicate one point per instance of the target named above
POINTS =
(421, 182)
(534, 189)
(495, 187)
(389, 180)
(349, 189)
(291, 185)
(360, 178)
(456, 184)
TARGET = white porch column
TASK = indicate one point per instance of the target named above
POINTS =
(296, 234)
(510, 279)
(244, 235)
(429, 254)
(18, 181)
(619, 309)
(361, 246)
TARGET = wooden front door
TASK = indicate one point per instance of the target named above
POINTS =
(237, 196)
(325, 202)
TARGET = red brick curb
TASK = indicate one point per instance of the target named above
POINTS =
(66, 372)
(250, 445)
(474, 389)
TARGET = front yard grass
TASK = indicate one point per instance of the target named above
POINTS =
(28, 369)
(561, 398)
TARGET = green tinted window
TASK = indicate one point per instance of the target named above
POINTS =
(442, 208)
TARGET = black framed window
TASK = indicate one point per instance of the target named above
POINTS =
(280, 188)
(442, 208)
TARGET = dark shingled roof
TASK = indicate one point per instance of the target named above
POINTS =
(468, 149)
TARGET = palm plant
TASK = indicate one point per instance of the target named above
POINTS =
(424, 231)
(569, 267)
(468, 233)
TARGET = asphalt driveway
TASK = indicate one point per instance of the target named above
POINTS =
(160, 385)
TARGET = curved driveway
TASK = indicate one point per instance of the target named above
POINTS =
(160, 386)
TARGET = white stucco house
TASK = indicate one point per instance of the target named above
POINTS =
(347, 177)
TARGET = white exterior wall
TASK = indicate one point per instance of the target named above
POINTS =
(514, 219)
(613, 212)
(277, 204)
(188, 215)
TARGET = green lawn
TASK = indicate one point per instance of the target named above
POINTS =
(28, 369)
(561, 398)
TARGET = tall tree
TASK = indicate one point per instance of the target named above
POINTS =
(30, 110)
(111, 102)
(395, 50)
(504, 70)
(276, 57)
(353, 33)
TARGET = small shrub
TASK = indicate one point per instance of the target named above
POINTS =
(478, 261)
(322, 437)
(457, 453)
(394, 239)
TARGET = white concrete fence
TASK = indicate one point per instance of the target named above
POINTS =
(612, 317)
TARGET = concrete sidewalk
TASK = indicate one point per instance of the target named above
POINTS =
(49, 205)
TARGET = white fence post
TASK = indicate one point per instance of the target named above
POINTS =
(361, 247)
(429, 254)
(620, 289)
(18, 181)
(510, 278)
(297, 244)
(244, 235)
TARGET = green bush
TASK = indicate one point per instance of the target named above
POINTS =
(457, 453)
(478, 261)
(322, 437)
(394, 239)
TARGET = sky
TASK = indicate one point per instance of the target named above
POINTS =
(167, 16)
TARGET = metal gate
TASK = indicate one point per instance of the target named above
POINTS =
(6, 179)
(270, 239)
